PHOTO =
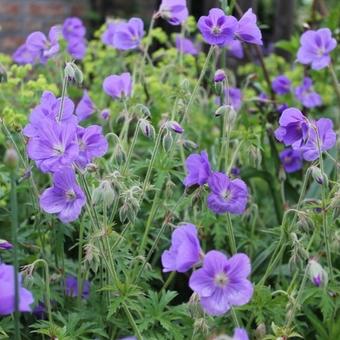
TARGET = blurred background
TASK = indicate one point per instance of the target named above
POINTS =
(18, 18)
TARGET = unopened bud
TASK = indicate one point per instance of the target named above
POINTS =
(78, 74)
(228, 111)
(189, 145)
(318, 176)
(260, 331)
(119, 154)
(167, 141)
(69, 71)
(219, 76)
(146, 128)
(317, 274)
(104, 193)
(5, 245)
(11, 158)
(105, 114)
(91, 167)
(175, 127)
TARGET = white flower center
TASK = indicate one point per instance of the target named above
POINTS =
(70, 195)
(221, 279)
(59, 149)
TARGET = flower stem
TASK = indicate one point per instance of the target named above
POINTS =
(168, 280)
(133, 143)
(194, 92)
(14, 222)
(231, 236)
(63, 95)
(335, 81)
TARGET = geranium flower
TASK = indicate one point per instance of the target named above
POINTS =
(23, 55)
(247, 29)
(55, 146)
(198, 169)
(316, 47)
(217, 28)
(129, 35)
(73, 28)
(71, 287)
(7, 291)
(77, 48)
(293, 128)
(321, 133)
(107, 36)
(227, 195)
(5, 245)
(65, 197)
(222, 283)
(306, 95)
(38, 44)
(186, 46)
(118, 86)
(175, 12)
(184, 251)
(235, 48)
(281, 85)
(291, 160)
(85, 107)
(92, 144)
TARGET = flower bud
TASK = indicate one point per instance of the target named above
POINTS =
(219, 76)
(189, 145)
(146, 128)
(228, 111)
(5, 245)
(260, 331)
(175, 127)
(105, 114)
(91, 167)
(119, 154)
(69, 71)
(11, 158)
(78, 74)
(317, 274)
(104, 193)
(167, 141)
(318, 176)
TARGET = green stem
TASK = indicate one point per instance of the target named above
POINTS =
(335, 81)
(14, 222)
(133, 144)
(63, 95)
(168, 280)
(132, 322)
(194, 93)
(230, 233)
(80, 255)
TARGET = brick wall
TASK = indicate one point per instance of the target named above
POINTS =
(18, 18)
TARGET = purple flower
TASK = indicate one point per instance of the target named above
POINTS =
(7, 291)
(184, 251)
(73, 28)
(321, 133)
(306, 95)
(198, 169)
(39, 310)
(71, 287)
(219, 76)
(281, 85)
(185, 46)
(315, 48)
(235, 48)
(240, 334)
(23, 56)
(49, 109)
(85, 107)
(65, 197)
(77, 48)
(129, 35)
(217, 28)
(247, 29)
(293, 128)
(235, 171)
(118, 86)
(232, 96)
(291, 160)
(281, 107)
(105, 114)
(55, 147)
(227, 195)
(222, 283)
(175, 127)
(175, 12)
(92, 144)
(107, 36)
(43, 48)
(5, 245)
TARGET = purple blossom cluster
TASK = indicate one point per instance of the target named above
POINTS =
(59, 145)
(220, 283)
(307, 138)
(124, 35)
(39, 48)
(220, 29)
(226, 196)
